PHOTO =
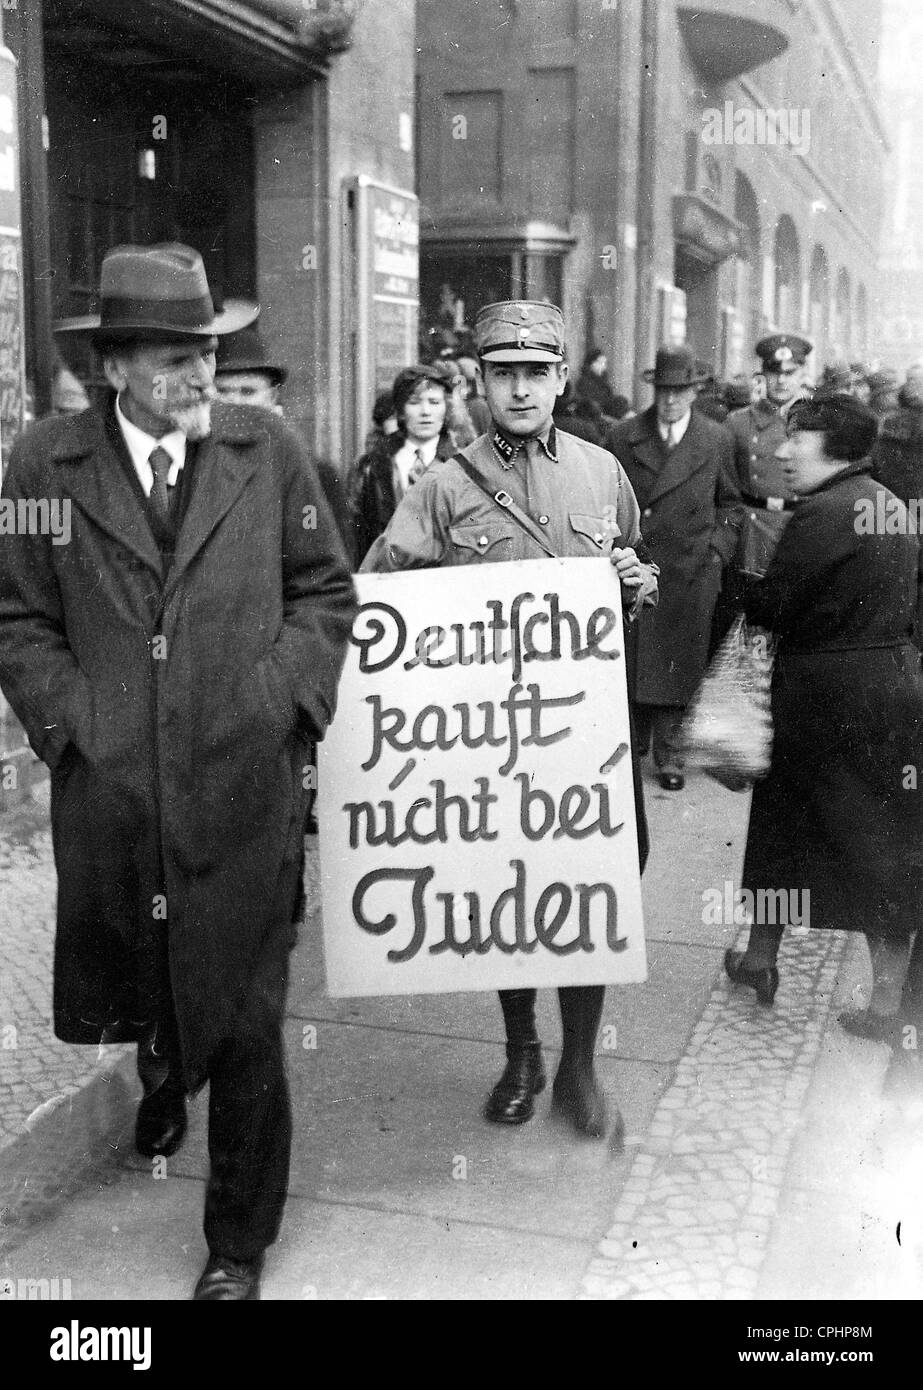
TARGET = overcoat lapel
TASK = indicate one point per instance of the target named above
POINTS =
(93, 477)
(645, 444)
(224, 465)
(682, 462)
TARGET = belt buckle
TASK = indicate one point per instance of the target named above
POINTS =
(775, 504)
(503, 499)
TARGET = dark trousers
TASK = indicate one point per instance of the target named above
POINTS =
(659, 725)
(249, 1115)
(249, 1122)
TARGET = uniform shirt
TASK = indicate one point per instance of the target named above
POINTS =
(577, 493)
(758, 431)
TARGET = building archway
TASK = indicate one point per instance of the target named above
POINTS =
(819, 302)
(787, 261)
(842, 334)
(748, 288)
(862, 322)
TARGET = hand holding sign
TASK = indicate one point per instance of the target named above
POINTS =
(627, 566)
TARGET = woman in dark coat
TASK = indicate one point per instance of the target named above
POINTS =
(836, 815)
(593, 385)
(383, 473)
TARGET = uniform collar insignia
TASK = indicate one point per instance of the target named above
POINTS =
(504, 448)
(509, 448)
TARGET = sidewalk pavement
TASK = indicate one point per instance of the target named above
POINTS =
(20, 770)
(760, 1160)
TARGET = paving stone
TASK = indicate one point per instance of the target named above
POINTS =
(735, 1103)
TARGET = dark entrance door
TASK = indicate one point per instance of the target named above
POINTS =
(145, 158)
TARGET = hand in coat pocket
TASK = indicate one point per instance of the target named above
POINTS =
(259, 710)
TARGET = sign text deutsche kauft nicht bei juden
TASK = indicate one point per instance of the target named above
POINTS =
(476, 808)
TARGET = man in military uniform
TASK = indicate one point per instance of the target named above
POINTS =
(758, 431)
(532, 491)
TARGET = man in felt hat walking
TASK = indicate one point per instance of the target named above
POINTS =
(564, 496)
(244, 374)
(680, 464)
(170, 664)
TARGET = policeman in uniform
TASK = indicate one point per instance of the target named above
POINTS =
(563, 496)
(758, 431)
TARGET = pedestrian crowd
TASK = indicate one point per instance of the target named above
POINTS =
(176, 664)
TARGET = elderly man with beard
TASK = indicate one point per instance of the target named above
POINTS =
(171, 665)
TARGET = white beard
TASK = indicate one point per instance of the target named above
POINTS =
(194, 420)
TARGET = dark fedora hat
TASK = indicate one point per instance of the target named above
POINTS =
(158, 292)
(676, 367)
(246, 352)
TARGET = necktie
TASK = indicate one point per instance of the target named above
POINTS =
(417, 468)
(160, 461)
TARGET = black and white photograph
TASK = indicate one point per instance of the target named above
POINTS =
(368, 932)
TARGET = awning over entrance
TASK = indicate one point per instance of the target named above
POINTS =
(524, 236)
(266, 41)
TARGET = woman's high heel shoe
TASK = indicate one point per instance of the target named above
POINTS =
(765, 981)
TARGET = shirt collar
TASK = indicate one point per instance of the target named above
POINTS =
(676, 427)
(508, 447)
(428, 449)
(141, 444)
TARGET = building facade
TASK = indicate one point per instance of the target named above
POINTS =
(275, 136)
(900, 301)
(236, 127)
(663, 169)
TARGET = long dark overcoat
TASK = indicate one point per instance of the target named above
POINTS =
(841, 811)
(175, 717)
(690, 515)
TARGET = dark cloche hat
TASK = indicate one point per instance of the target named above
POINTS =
(849, 427)
(783, 350)
(159, 292)
(520, 330)
(409, 379)
(246, 352)
(676, 368)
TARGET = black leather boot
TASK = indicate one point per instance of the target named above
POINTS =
(512, 1100)
(576, 1096)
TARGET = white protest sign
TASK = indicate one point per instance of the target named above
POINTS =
(476, 808)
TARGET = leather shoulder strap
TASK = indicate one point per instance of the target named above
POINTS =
(505, 502)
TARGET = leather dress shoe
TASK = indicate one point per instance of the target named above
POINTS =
(577, 1099)
(161, 1124)
(224, 1280)
(765, 980)
(671, 781)
(512, 1100)
(864, 1023)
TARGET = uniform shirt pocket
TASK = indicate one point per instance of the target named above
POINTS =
(598, 532)
(480, 541)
